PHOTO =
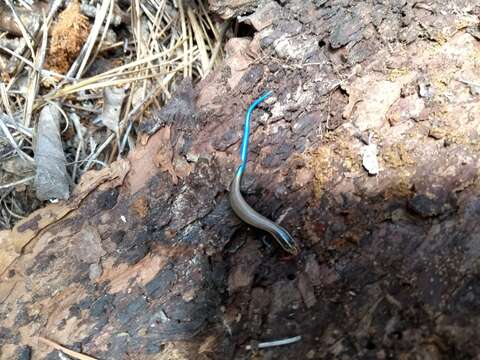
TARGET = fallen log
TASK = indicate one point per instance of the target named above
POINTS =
(148, 261)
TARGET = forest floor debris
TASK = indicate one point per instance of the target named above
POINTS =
(147, 257)
(76, 53)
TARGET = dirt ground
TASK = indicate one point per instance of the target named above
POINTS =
(148, 261)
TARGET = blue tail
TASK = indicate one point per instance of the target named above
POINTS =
(246, 131)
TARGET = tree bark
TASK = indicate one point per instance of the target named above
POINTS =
(147, 260)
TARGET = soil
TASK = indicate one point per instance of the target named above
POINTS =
(148, 261)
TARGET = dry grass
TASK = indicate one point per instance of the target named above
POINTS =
(60, 62)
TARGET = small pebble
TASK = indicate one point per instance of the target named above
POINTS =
(369, 159)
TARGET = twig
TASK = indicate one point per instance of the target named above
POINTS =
(10, 138)
(190, 43)
(5, 100)
(54, 6)
(34, 67)
(123, 70)
(10, 123)
(80, 146)
(125, 138)
(99, 151)
(209, 20)
(64, 115)
(10, 211)
(18, 182)
(218, 46)
(281, 342)
(34, 79)
(102, 38)
(82, 59)
(63, 349)
(184, 36)
(468, 82)
(199, 39)
(28, 37)
(99, 85)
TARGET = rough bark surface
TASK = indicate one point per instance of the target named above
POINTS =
(147, 260)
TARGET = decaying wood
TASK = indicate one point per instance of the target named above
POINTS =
(147, 260)
(14, 242)
(68, 35)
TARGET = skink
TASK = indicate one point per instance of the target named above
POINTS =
(238, 203)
